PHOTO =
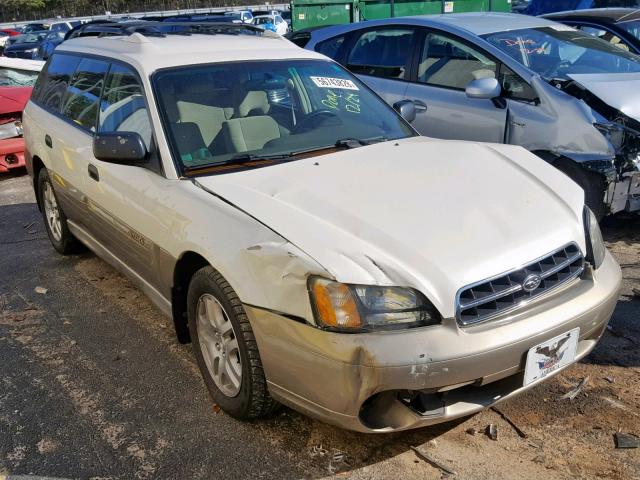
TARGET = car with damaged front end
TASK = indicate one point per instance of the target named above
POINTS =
(314, 249)
(566, 96)
(17, 77)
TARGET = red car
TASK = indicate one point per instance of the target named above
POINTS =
(10, 32)
(16, 82)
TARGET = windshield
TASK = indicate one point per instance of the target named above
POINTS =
(11, 77)
(236, 112)
(558, 51)
(31, 37)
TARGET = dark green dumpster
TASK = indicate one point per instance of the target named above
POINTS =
(315, 13)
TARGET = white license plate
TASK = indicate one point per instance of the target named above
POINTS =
(549, 356)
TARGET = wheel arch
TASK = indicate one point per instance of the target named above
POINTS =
(37, 165)
(187, 265)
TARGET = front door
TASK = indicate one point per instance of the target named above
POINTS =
(446, 65)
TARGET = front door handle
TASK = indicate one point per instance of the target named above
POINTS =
(420, 105)
(93, 172)
(47, 141)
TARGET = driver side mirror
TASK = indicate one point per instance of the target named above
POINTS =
(125, 148)
(406, 109)
(483, 88)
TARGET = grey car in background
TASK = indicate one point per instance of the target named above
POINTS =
(571, 98)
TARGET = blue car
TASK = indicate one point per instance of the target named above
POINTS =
(50, 42)
(26, 45)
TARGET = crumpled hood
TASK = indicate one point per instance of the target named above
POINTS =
(620, 91)
(435, 215)
(14, 99)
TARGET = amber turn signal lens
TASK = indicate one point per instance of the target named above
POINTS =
(335, 304)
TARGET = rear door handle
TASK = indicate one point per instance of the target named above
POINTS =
(420, 105)
(93, 172)
(47, 141)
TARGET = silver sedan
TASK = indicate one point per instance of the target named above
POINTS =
(493, 77)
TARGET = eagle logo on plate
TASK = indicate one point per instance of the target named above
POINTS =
(531, 282)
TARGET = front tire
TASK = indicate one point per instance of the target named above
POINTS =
(55, 221)
(225, 347)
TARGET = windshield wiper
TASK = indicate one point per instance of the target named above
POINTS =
(359, 142)
(239, 159)
(243, 158)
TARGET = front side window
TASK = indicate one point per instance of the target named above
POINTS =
(235, 113)
(59, 72)
(81, 101)
(382, 53)
(558, 51)
(446, 62)
(123, 107)
(514, 86)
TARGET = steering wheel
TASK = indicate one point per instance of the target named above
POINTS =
(308, 122)
(553, 71)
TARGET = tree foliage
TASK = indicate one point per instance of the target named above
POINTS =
(19, 10)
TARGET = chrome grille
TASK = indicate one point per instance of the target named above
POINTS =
(489, 298)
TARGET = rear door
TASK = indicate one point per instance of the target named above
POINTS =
(445, 66)
(379, 56)
(65, 141)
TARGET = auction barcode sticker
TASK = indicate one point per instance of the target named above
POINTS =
(329, 82)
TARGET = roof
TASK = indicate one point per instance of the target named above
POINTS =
(603, 15)
(482, 23)
(477, 23)
(150, 53)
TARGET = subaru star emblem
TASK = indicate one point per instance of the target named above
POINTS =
(532, 282)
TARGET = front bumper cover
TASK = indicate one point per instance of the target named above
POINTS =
(11, 154)
(353, 380)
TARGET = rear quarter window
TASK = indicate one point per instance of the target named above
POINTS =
(56, 81)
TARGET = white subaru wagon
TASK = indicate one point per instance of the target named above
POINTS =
(314, 249)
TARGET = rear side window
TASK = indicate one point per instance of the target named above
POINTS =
(330, 47)
(123, 108)
(83, 93)
(382, 53)
(59, 72)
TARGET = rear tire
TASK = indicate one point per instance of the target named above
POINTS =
(593, 184)
(225, 347)
(55, 221)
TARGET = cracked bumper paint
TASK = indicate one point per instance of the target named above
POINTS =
(331, 376)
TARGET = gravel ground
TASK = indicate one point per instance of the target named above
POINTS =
(94, 385)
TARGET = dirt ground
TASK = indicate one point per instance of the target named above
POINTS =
(157, 428)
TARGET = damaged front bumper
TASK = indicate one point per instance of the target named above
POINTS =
(11, 154)
(389, 381)
(622, 181)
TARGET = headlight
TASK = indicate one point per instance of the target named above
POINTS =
(362, 307)
(595, 244)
